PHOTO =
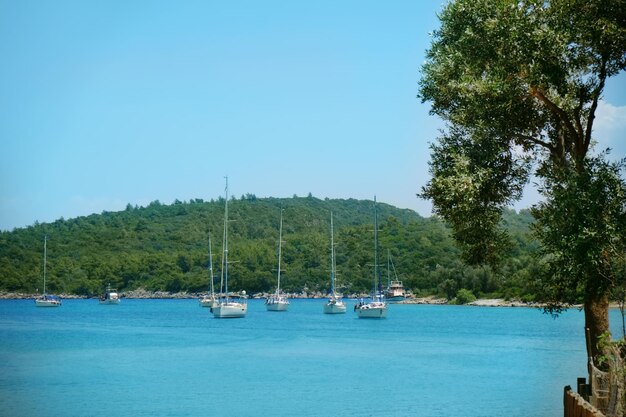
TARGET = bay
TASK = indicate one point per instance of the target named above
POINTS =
(172, 358)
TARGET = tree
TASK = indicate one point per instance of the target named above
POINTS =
(449, 288)
(518, 83)
(581, 227)
(464, 296)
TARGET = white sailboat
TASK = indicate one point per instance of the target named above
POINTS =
(209, 300)
(110, 296)
(229, 306)
(376, 307)
(278, 301)
(335, 304)
(46, 300)
(395, 289)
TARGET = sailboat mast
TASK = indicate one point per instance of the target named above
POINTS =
(280, 241)
(45, 261)
(211, 268)
(388, 274)
(377, 283)
(332, 256)
(222, 269)
(226, 240)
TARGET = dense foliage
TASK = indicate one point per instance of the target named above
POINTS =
(165, 248)
(593, 245)
(519, 84)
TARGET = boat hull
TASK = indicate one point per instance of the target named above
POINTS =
(372, 311)
(110, 296)
(334, 307)
(47, 303)
(395, 293)
(277, 303)
(208, 302)
(277, 306)
(230, 310)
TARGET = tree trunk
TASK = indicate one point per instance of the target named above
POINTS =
(596, 323)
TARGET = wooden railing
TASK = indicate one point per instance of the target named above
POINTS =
(575, 405)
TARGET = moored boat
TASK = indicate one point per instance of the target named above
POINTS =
(110, 296)
(376, 307)
(395, 290)
(278, 301)
(229, 306)
(46, 300)
(209, 300)
(335, 304)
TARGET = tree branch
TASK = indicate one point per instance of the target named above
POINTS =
(594, 104)
(536, 141)
(560, 113)
(579, 126)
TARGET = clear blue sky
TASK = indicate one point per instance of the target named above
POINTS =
(104, 103)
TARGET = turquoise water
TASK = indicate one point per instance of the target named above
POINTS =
(172, 358)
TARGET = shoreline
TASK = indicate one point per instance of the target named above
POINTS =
(143, 294)
(481, 302)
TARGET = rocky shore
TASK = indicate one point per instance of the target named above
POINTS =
(144, 294)
(483, 302)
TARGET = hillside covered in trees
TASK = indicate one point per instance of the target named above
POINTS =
(165, 248)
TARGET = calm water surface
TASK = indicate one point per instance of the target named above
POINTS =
(172, 358)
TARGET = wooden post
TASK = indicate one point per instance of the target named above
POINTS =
(582, 388)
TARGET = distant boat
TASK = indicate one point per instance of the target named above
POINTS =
(278, 301)
(110, 296)
(209, 300)
(46, 300)
(395, 289)
(228, 306)
(376, 307)
(335, 304)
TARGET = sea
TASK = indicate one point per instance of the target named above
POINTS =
(173, 358)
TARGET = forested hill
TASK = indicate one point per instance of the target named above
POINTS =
(165, 248)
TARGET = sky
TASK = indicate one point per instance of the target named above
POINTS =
(106, 103)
